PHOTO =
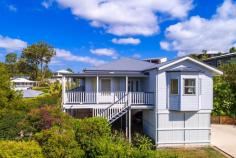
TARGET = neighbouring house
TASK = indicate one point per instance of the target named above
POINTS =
(216, 61)
(25, 85)
(21, 83)
(57, 76)
(173, 99)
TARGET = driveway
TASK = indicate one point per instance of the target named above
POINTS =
(224, 138)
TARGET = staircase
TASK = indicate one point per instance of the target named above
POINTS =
(113, 112)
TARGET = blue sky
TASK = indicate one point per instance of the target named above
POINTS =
(92, 32)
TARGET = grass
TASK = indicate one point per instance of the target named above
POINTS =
(189, 153)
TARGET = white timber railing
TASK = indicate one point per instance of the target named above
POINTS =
(112, 113)
(142, 98)
(80, 97)
(145, 98)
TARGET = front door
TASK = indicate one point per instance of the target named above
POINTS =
(134, 85)
(105, 85)
(106, 96)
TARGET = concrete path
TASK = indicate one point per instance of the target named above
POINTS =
(224, 138)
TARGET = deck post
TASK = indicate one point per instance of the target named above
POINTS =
(126, 125)
(126, 115)
(97, 89)
(63, 90)
(130, 124)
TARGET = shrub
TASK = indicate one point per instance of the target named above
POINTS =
(44, 118)
(8, 123)
(93, 134)
(20, 149)
(55, 89)
(58, 142)
(46, 99)
(142, 142)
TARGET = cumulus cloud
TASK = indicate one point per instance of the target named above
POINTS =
(105, 52)
(130, 40)
(196, 34)
(68, 56)
(47, 3)
(122, 17)
(11, 44)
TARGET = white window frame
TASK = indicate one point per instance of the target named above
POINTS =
(195, 86)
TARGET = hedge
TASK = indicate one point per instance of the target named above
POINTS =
(20, 149)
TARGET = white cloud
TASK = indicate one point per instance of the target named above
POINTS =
(136, 56)
(130, 40)
(68, 56)
(11, 44)
(12, 8)
(164, 45)
(122, 17)
(105, 52)
(47, 3)
(196, 34)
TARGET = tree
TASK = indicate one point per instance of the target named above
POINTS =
(11, 60)
(232, 50)
(37, 57)
(224, 97)
(70, 70)
(8, 97)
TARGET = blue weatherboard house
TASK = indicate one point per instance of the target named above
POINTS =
(173, 100)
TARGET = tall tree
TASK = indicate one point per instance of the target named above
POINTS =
(232, 50)
(37, 57)
(10, 60)
(8, 97)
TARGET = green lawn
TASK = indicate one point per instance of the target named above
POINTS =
(189, 153)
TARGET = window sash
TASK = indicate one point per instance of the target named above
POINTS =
(174, 86)
(189, 86)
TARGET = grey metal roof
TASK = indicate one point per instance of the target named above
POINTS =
(184, 69)
(124, 64)
(29, 93)
(169, 61)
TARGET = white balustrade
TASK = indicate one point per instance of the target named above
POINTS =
(80, 97)
(107, 113)
(142, 98)
(145, 98)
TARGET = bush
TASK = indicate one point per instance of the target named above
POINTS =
(58, 142)
(43, 118)
(224, 97)
(46, 99)
(8, 123)
(21, 149)
(55, 89)
(93, 135)
(142, 142)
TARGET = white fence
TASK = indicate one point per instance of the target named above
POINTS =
(146, 98)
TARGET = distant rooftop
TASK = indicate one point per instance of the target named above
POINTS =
(156, 60)
(64, 71)
(22, 80)
(221, 56)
